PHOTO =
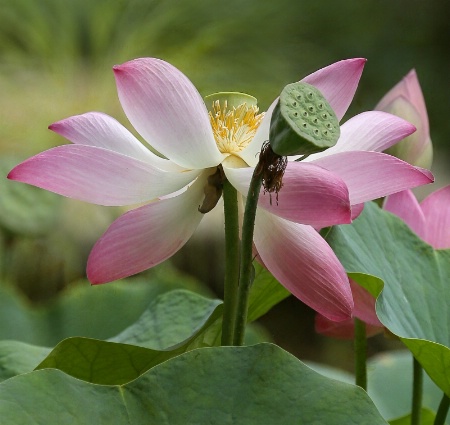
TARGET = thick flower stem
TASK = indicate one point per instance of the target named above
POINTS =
(416, 408)
(246, 267)
(231, 281)
(442, 412)
(360, 354)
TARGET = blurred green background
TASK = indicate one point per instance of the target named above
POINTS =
(56, 59)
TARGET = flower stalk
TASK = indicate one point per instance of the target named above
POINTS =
(246, 268)
(232, 249)
(417, 391)
(360, 354)
(442, 412)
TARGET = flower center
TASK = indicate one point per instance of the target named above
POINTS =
(234, 128)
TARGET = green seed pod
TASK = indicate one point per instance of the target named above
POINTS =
(302, 122)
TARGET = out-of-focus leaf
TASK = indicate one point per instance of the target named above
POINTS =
(265, 292)
(100, 311)
(24, 209)
(426, 418)
(18, 357)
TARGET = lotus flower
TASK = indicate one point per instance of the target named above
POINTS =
(107, 165)
(406, 100)
(430, 220)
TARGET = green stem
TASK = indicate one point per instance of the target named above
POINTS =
(231, 281)
(442, 412)
(246, 273)
(416, 408)
(360, 354)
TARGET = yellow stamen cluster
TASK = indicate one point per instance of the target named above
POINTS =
(234, 128)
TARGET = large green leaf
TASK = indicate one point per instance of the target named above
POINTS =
(414, 301)
(223, 385)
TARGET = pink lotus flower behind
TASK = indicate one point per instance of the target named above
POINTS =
(107, 165)
(430, 220)
(406, 101)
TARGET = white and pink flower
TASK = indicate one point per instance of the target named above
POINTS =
(107, 165)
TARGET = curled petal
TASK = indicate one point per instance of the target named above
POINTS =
(167, 110)
(251, 152)
(102, 131)
(98, 175)
(310, 195)
(369, 131)
(338, 83)
(146, 236)
(305, 264)
(436, 209)
(404, 205)
(372, 175)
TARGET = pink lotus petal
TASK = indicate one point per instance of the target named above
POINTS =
(338, 83)
(364, 310)
(436, 209)
(101, 130)
(305, 264)
(146, 236)
(369, 131)
(310, 194)
(341, 330)
(98, 175)
(404, 205)
(408, 88)
(372, 175)
(364, 305)
(167, 110)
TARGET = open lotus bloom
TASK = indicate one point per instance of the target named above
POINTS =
(406, 100)
(107, 165)
(430, 220)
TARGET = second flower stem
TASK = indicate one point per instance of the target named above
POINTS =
(416, 408)
(360, 354)
(246, 267)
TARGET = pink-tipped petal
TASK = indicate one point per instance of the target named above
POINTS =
(101, 130)
(305, 264)
(98, 175)
(372, 175)
(405, 205)
(409, 89)
(436, 209)
(310, 195)
(338, 83)
(168, 111)
(146, 236)
(369, 131)
(364, 310)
